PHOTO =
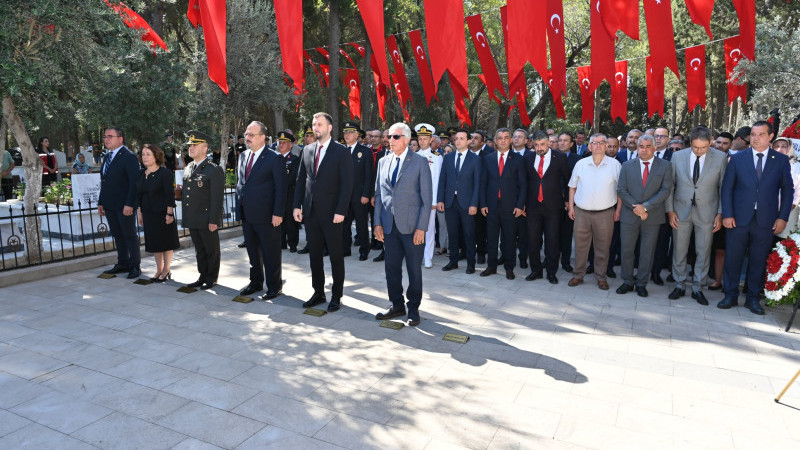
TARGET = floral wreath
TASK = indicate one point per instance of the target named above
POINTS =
(782, 271)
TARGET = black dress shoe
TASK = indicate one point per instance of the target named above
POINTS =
(552, 279)
(363, 257)
(657, 279)
(534, 276)
(197, 283)
(671, 279)
(470, 270)
(380, 257)
(641, 291)
(335, 304)
(523, 264)
(624, 288)
(412, 322)
(700, 298)
(117, 269)
(347, 253)
(677, 293)
(510, 274)
(303, 250)
(590, 270)
(450, 266)
(249, 289)
(207, 286)
(134, 273)
(390, 313)
(754, 306)
(713, 287)
(316, 299)
(292, 249)
(481, 259)
(270, 295)
(325, 252)
(728, 303)
(567, 268)
(611, 274)
(489, 271)
(242, 245)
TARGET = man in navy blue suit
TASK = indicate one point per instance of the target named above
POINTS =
(262, 203)
(631, 142)
(459, 186)
(118, 201)
(755, 179)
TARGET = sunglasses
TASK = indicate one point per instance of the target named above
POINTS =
(395, 136)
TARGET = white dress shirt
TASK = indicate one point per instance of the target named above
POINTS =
(547, 157)
(595, 185)
(692, 159)
(324, 150)
(763, 159)
(394, 162)
(649, 167)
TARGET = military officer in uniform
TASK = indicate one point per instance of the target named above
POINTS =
(203, 187)
(290, 234)
(362, 192)
(425, 133)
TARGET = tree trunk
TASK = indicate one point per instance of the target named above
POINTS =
(279, 125)
(33, 180)
(224, 131)
(596, 115)
(334, 36)
(495, 117)
(474, 103)
(673, 114)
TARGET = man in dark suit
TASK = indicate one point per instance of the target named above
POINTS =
(565, 145)
(644, 185)
(519, 142)
(755, 179)
(118, 201)
(547, 175)
(459, 188)
(663, 256)
(322, 197)
(580, 143)
(362, 191)
(477, 145)
(290, 233)
(631, 142)
(403, 195)
(374, 139)
(502, 199)
(262, 193)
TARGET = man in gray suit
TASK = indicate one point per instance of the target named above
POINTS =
(644, 185)
(694, 205)
(403, 192)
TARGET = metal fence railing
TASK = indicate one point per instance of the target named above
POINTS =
(69, 232)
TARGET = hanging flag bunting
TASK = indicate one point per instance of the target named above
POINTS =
(558, 55)
(447, 46)
(746, 10)
(620, 15)
(400, 96)
(696, 77)
(211, 15)
(372, 15)
(558, 102)
(289, 21)
(353, 84)
(655, 88)
(359, 48)
(517, 87)
(325, 68)
(661, 35)
(619, 92)
(587, 93)
(383, 95)
(602, 49)
(700, 12)
(733, 54)
(399, 79)
(324, 52)
(490, 77)
(307, 58)
(526, 37)
(461, 108)
(347, 57)
(136, 22)
(422, 65)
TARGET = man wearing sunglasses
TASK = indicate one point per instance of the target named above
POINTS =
(403, 193)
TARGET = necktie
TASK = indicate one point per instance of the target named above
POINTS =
(107, 163)
(316, 159)
(249, 166)
(396, 169)
(500, 167)
(658, 154)
(696, 171)
(458, 164)
(759, 166)
(540, 170)
(646, 173)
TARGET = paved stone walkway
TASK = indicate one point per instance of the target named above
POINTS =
(90, 363)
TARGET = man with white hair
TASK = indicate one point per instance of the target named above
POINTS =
(424, 137)
(403, 193)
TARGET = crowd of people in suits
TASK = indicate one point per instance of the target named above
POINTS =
(698, 206)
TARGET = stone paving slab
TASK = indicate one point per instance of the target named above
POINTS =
(87, 363)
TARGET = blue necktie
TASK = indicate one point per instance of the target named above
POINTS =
(107, 163)
(759, 166)
(458, 164)
(396, 169)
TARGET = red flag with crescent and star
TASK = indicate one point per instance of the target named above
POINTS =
(289, 21)
(746, 10)
(307, 58)
(733, 54)
(602, 49)
(661, 35)
(400, 96)
(696, 77)
(383, 95)
(655, 88)
(353, 84)
(587, 93)
(491, 77)
(619, 92)
(399, 79)
(422, 65)
(517, 87)
(557, 45)
(324, 52)
(558, 102)
(326, 75)
(372, 15)
(136, 22)
(621, 15)
(347, 57)
(526, 37)
(211, 15)
(700, 12)
(447, 45)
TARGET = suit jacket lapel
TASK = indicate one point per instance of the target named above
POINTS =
(404, 166)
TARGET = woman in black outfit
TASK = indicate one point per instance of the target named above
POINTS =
(156, 206)
(50, 169)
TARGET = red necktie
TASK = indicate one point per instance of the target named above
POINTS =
(646, 173)
(316, 158)
(540, 198)
(249, 166)
(500, 166)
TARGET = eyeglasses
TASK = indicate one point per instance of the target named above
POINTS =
(253, 134)
(598, 143)
(661, 136)
(395, 136)
(109, 136)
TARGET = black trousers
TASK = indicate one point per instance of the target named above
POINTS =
(663, 257)
(549, 224)
(206, 248)
(565, 238)
(123, 230)
(358, 212)
(521, 223)
(264, 254)
(480, 233)
(460, 225)
(321, 232)
(290, 229)
(500, 220)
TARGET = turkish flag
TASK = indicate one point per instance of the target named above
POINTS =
(602, 49)
(461, 108)
(734, 54)
(324, 52)
(307, 58)
(587, 93)
(558, 102)
(517, 86)
(353, 83)
(558, 55)
(325, 68)
(211, 15)
(700, 12)
(696, 77)
(661, 35)
(381, 92)
(746, 10)
(422, 66)
(347, 57)
(620, 15)
(526, 37)
(655, 88)
(447, 46)
(136, 22)
(372, 15)
(400, 96)
(399, 79)
(289, 21)
(619, 92)
(491, 77)
(359, 48)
